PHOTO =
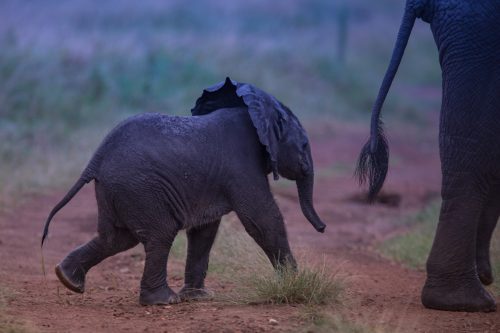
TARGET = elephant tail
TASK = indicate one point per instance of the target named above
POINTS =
(373, 161)
(86, 177)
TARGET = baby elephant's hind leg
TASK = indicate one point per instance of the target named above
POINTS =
(72, 270)
(200, 241)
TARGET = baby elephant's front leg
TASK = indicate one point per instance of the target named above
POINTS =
(263, 221)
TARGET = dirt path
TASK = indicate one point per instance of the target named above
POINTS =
(380, 293)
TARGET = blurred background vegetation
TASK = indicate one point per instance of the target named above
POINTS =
(70, 70)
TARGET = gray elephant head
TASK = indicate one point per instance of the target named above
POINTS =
(278, 130)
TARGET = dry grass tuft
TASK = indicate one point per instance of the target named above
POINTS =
(309, 285)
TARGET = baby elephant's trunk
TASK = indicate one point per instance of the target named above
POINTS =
(305, 188)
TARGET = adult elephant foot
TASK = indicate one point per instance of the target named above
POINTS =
(159, 296)
(194, 294)
(468, 295)
(71, 275)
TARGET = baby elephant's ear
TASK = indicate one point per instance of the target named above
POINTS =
(269, 117)
(221, 95)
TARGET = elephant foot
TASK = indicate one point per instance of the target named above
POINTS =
(484, 271)
(468, 296)
(71, 276)
(160, 296)
(195, 294)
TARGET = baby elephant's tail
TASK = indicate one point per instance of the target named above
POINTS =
(84, 179)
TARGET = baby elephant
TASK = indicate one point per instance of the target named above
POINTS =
(156, 174)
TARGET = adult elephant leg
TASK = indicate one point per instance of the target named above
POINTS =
(72, 270)
(452, 283)
(487, 223)
(263, 221)
(200, 241)
(154, 286)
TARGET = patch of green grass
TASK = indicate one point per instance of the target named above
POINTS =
(68, 89)
(32, 165)
(179, 246)
(232, 253)
(495, 260)
(412, 248)
(308, 285)
(235, 254)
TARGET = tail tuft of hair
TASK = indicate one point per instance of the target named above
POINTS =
(373, 163)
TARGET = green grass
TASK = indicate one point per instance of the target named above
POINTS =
(36, 166)
(308, 285)
(179, 246)
(495, 260)
(412, 248)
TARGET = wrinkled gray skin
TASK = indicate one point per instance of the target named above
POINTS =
(157, 174)
(467, 34)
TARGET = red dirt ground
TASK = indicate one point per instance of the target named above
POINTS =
(380, 293)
